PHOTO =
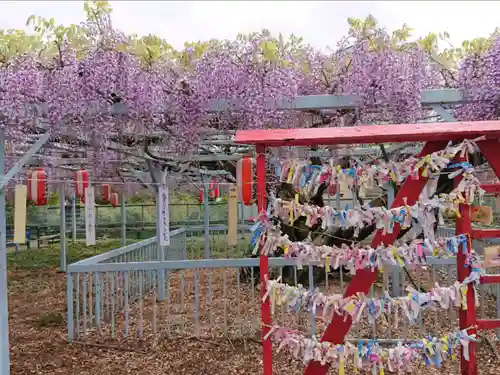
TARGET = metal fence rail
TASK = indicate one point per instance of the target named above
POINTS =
(116, 296)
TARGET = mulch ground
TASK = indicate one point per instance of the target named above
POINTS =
(37, 305)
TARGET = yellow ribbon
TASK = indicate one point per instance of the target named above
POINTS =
(429, 346)
(400, 261)
(341, 366)
(463, 293)
(445, 343)
(349, 307)
(290, 174)
(356, 355)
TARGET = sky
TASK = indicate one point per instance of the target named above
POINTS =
(320, 23)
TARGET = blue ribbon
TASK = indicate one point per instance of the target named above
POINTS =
(255, 235)
(463, 165)
(277, 171)
(360, 347)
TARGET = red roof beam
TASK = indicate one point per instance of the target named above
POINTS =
(445, 131)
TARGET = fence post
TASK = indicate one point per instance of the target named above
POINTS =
(124, 219)
(69, 303)
(62, 234)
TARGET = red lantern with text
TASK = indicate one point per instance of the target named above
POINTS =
(81, 183)
(213, 190)
(244, 179)
(106, 192)
(37, 187)
(114, 199)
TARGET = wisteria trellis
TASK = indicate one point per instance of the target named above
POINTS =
(177, 98)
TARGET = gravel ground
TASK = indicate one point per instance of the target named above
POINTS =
(167, 346)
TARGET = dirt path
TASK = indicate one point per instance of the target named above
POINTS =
(38, 345)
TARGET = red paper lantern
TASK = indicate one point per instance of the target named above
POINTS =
(114, 199)
(201, 196)
(37, 187)
(107, 192)
(244, 178)
(213, 190)
(81, 183)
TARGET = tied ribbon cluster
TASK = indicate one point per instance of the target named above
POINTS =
(294, 299)
(431, 350)
(423, 211)
(302, 175)
(362, 257)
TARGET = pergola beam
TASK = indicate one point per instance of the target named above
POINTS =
(24, 159)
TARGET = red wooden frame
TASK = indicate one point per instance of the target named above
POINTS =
(436, 136)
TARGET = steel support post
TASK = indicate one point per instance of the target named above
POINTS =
(157, 177)
(206, 216)
(123, 206)
(73, 216)
(4, 309)
(62, 229)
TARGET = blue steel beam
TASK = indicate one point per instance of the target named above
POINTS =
(445, 115)
(206, 263)
(24, 159)
(429, 97)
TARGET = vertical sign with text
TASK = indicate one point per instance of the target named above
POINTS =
(21, 192)
(164, 219)
(90, 216)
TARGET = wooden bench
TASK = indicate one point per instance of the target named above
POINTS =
(48, 239)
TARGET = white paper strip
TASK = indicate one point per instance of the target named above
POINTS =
(164, 219)
(90, 216)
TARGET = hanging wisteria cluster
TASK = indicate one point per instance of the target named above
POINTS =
(74, 90)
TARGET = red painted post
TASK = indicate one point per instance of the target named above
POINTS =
(467, 318)
(267, 348)
(489, 149)
(363, 280)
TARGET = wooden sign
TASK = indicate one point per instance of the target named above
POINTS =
(21, 192)
(232, 216)
(163, 209)
(492, 256)
(90, 239)
(482, 214)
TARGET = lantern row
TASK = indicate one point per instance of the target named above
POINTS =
(38, 187)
